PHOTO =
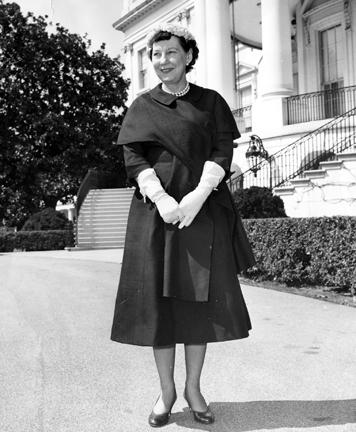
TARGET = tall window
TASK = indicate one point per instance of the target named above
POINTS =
(245, 96)
(243, 114)
(332, 60)
(332, 66)
(142, 69)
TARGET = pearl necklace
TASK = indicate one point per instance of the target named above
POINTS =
(180, 93)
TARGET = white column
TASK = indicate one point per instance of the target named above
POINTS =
(276, 73)
(200, 35)
(214, 39)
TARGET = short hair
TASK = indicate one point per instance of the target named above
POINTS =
(185, 44)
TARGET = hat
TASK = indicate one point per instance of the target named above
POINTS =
(174, 29)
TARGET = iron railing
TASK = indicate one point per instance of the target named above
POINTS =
(96, 179)
(304, 154)
(90, 182)
(320, 105)
(243, 118)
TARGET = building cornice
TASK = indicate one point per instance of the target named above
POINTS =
(136, 14)
(321, 7)
(248, 42)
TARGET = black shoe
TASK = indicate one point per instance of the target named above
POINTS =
(159, 420)
(205, 417)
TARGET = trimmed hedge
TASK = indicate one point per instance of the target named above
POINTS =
(36, 240)
(258, 202)
(306, 251)
(47, 219)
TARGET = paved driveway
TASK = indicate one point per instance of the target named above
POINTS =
(60, 372)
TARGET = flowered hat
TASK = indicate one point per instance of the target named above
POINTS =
(174, 29)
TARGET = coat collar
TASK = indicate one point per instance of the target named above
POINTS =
(161, 96)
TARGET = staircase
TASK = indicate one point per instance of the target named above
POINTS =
(329, 190)
(103, 218)
(304, 154)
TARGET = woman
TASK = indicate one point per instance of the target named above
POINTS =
(185, 242)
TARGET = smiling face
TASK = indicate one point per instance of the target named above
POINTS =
(169, 61)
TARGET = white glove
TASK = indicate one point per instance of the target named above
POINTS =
(151, 187)
(169, 209)
(192, 203)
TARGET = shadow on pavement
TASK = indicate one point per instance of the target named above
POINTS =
(249, 416)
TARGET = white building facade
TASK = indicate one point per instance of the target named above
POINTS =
(286, 67)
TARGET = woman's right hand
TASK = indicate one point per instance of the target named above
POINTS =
(168, 208)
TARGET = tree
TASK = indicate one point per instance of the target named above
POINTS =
(60, 112)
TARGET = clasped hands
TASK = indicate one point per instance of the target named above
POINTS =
(188, 208)
(184, 212)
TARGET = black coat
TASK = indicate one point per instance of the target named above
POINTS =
(176, 136)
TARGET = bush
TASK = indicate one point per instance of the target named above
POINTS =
(306, 251)
(36, 240)
(258, 202)
(47, 219)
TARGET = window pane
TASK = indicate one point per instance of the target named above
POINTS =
(246, 96)
(142, 68)
(331, 55)
(332, 65)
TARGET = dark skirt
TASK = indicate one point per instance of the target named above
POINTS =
(143, 317)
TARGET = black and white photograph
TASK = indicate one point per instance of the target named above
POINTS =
(178, 215)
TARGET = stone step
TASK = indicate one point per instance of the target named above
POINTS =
(83, 230)
(90, 241)
(106, 202)
(349, 156)
(109, 193)
(99, 199)
(103, 236)
(97, 228)
(108, 230)
(100, 194)
(104, 208)
(118, 244)
(98, 202)
(88, 246)
(300, 182)
(104, 214)
(98, 219)
(314, 174)
(114, 192)
(284, 190)
(97, 216)
(331, 165)
(110, 190)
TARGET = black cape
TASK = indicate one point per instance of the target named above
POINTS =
(176, 137)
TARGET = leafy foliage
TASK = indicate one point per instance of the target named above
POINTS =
(47, 219)
(258, 202)
(305, 251)
(36, 240)
(60, 112)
